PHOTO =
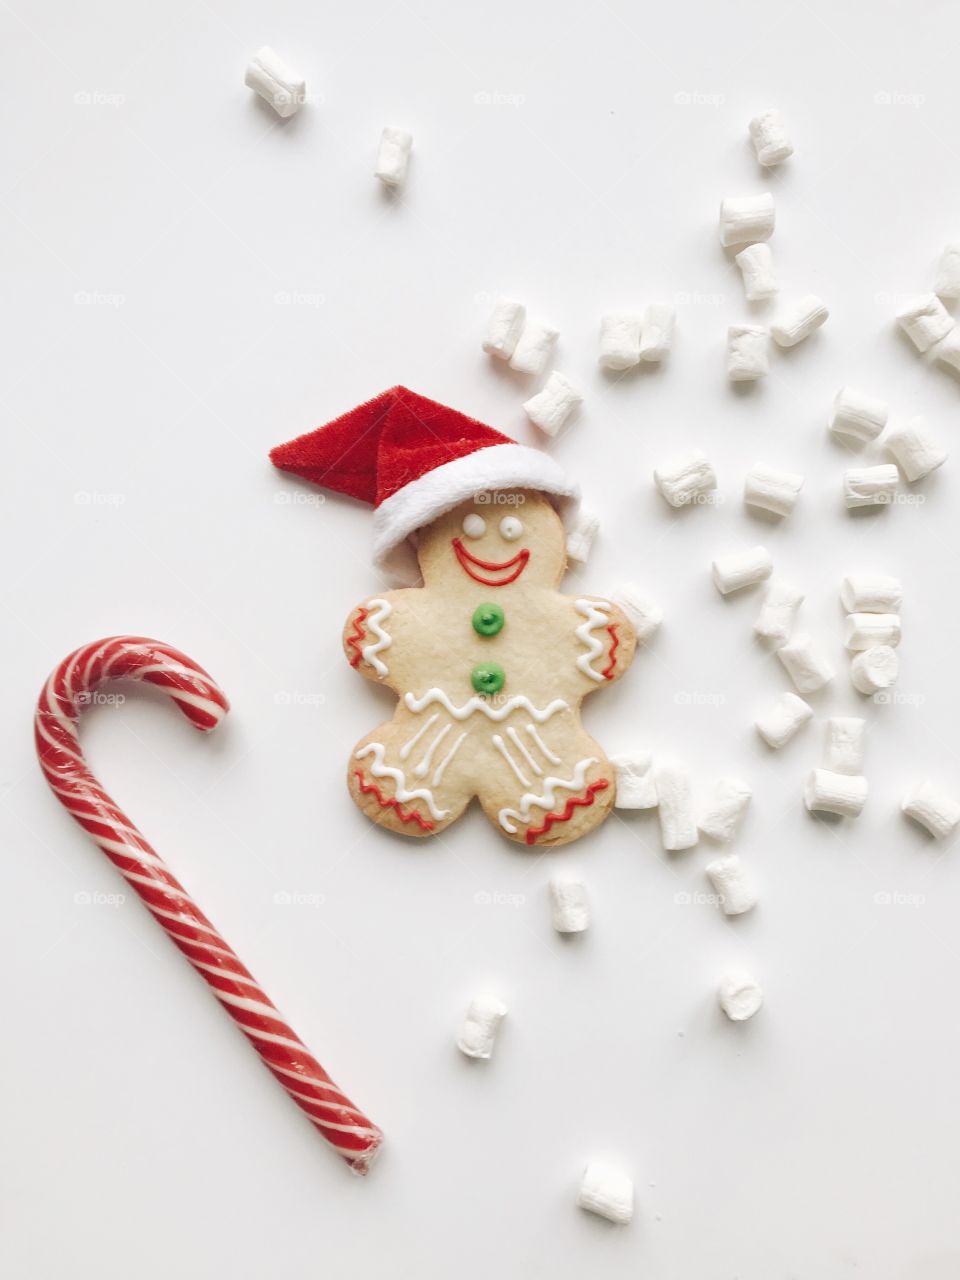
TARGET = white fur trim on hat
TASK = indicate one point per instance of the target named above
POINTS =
(498, 466)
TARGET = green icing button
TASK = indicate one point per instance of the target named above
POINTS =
(487, 678)
(488, 619)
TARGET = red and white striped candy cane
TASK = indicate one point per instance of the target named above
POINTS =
(192, 691)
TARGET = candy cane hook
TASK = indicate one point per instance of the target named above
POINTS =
(192, 691)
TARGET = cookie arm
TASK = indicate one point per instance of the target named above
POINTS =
(367, 638)
(620, 643)
(606, 640)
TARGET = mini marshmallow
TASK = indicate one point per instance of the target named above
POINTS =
(778, 611)
(871, 593)
(550, 408)
(683, 478)
(739, 996)
(948, 271)
(635, 780)
(838, 793)
(733, 884)
(534, 347)
(678, 829)
(771, 490)
(393, 156)
(504, 328)
(620, 339)
(844, 750)
(759, 277)
(580, 537)
(769, 138)
(779, 724)
(747, 352)
(925, 320)
(645, 614)
(479, 1031)
(269, 76)
(656, 332)
(866, 630)
(948, 352)
(741, 569)
(870, 486)
(875, 669)
(726, 809)
(916, 451)
(804, 665)
(857, 416)
(932, 808)
(746, 219)
(799, 321)
(571, 910)
(606, 1191)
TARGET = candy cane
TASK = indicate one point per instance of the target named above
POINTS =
(192, 691)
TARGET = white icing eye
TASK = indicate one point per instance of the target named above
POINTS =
(510, 528)
(474, 526)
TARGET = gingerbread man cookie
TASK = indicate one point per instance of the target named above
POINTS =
(489, 660)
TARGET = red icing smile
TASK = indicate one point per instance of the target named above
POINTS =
(470, 564)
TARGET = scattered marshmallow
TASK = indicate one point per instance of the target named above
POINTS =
(620, 339)
(948, 352)
(948, 271)
(269, 76)
(874, 670)
(808, 670)
(741, 569)
(635, 780)
(606, 1191)
(799, 321)
(678, 828)
(571, 910)
(740, 996)
(871, 593)
(779, 724)
(932, 808)
(759, 277)
(866, 630)
(504, 328)
(857, 415)
(534, 347)
(550, 408)
(656, 332)
(916, 451)
(726, 809)
(479, 1031)
(769, 138)
(778, 611)
(771, 490)
(581, 535)
(838, 793)
(393, 156)
(870, 486)
(746, 219)
(747, 352)
(645, 614)
(683, 478)
(733, 884)
(844, 751)
(925, 320)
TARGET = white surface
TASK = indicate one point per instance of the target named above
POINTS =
(572, 156)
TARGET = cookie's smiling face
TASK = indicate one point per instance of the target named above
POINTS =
(513, 535)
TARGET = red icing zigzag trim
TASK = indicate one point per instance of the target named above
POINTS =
(612, 664)
(575, 802)
(371, 789)
(353, 642)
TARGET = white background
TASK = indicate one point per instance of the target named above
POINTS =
(187, 281)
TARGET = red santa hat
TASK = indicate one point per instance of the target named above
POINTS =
(414, 459)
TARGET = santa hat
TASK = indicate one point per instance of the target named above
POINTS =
(413, 460)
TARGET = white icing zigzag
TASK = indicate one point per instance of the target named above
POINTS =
(593, 611)
(380, 610)
(381, 770)
(479, 704)
(550, 787)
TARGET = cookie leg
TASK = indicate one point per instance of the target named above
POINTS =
(383, 788)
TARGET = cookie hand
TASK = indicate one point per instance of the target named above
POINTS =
(366, 638)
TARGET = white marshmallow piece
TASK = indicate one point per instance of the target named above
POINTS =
(723, 815)
(685, 478)
(808, 670)
(759, 277)
(739, 996)
(870, 486)
(746, 219)
(871, 593)
(733, 884)
(778, 612)
(552, 406)
(581, 535)
(769, 138)
(678, 827)
(644, 613)
(839, 793)
(875, 670)
(867, 630)
(479, 1032)
(571, 910)
(915, 449)
(748, 347)
(948, 271)
(933, 809)
(741, 569)
(393, 156)
(772, 490)
(534, 347)
(606, 1191)
(925, 320)
(269, 76)
(948, 352)
(799, 321)
(635, 780)
(844, 749)
(857, 416)
(620, 340)
(504, 328)
(656, 332)
(779, 724)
